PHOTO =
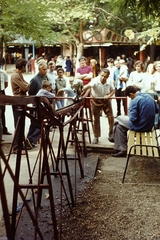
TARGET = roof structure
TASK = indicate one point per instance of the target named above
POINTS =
(107, 37)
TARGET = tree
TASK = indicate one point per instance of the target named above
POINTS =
(148, 7)
(144, 15)
(26, 18)
(73, 17)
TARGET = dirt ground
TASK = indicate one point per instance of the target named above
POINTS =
(110, 210)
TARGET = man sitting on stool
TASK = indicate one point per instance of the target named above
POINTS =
(141, 117)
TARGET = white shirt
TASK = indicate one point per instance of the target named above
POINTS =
(111, 70)
(157, 81)
(98, 89)
(136, 78)
(149, 83)
(44, 93)
(51, 78)
(3, 79)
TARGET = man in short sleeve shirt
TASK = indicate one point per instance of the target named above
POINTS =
(84, 72)
(102, 90)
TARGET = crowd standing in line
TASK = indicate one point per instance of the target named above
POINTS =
(114, 79)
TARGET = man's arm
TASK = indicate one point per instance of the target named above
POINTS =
(80, 76)
(133, 114)
(89, 76)
(124, 79)
(84, 76)
(109, 95)
(86, 87)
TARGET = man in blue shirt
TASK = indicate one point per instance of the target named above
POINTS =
(120, 78)
(141, 117)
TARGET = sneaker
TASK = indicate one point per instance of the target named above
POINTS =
(95, 141)
(7, 133)
(33, 144)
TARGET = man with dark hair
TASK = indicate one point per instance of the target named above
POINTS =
(19, 88)
(84, 72)
(101, 91)
(120, 82)
(110, 66)
(141, 117)
(60, 83)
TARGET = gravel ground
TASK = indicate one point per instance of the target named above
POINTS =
(110, 210)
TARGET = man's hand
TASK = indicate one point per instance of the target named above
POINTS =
(107, 96)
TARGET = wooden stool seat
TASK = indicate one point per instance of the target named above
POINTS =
(142, 144)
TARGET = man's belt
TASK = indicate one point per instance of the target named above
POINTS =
(97, 102)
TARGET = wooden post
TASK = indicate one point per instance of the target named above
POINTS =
(101, 57)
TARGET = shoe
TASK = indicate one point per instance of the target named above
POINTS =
(28, 144)
(7, 133)
(119, 154)
(95, 141)
(31, 144)
(34, 144)
(111, 139)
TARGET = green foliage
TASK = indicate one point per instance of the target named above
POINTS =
(141, 16)
(148, 7)
(48, 21)
(26, 18)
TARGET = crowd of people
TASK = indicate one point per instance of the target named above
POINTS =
(143, 87)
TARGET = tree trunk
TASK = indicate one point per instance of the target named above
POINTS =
(152, 52)
(80, 50)
(1, 49)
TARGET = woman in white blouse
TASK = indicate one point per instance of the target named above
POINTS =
(136, 77)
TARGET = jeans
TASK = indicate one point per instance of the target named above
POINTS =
(16, 115)
(60, 103)
(34, 132)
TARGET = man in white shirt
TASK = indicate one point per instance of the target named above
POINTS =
(51, 74)
(101, 91)
(3, 86)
